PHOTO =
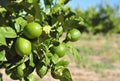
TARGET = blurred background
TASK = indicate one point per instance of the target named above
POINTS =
(99, 16)
(84, 4)
(99, 47)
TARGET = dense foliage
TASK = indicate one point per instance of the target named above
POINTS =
(30, 32)
(102, 18)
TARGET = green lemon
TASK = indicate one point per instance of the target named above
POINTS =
(32, 30)
(60, 50)
(23, 46)
(73, 35)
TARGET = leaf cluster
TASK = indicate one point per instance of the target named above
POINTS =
(55, 19)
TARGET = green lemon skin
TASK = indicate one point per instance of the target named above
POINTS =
(23, 46)
(20, 70)
(60, 50)
(74, 35)
(32, 30)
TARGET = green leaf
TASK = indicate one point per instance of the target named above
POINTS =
(22, 79)
(2, 13)
(55, 75)
(60, 30)
(55, 58)
(63, 63)
(66, 76)
(76, 55)
(30, 1)
(31, 77)
(46, 60)
(2, 56)
(71, 23)
(2, 40)
(74, 52)
(39, 16)
(49, 55)
(31, 63)
(20, 23)
(42, 70)
(8, 32)
(63, 74)
(2, 9)
(56, 9)
(48, 3)
(29, 18)
(1, 77)
(23, 60)
(63, 1)
(12, 74)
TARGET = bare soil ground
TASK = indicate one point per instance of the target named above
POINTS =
(101, 60)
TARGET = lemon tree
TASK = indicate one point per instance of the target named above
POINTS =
(30, 38)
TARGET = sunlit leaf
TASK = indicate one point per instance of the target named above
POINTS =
(31, 60)
(2, 40)
(62, 63)
(2, 56)
(66, 75)
(20, 23)
(55, 58)
(63, 1)
(8, 32)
